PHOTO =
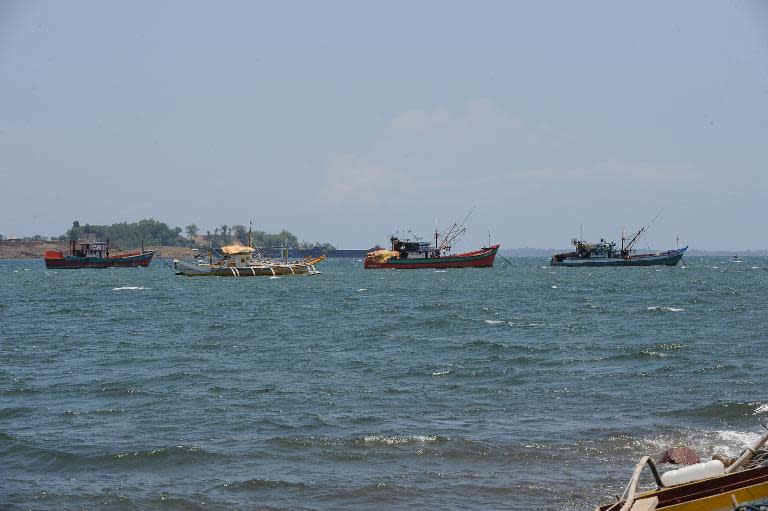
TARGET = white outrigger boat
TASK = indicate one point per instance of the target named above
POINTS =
(238, 261)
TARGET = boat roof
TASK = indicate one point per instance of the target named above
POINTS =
(237, 249)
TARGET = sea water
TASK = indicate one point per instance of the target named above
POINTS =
(518, 387)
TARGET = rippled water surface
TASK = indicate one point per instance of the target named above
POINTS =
(519, 387)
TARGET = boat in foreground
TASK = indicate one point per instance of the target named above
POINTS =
(604, 253)
(238, 261)
(717, 485)
(95, 254)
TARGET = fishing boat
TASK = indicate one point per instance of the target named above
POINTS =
(606, 253)
(95, 254)
(238, 261)
(720, 484)
(406, 254)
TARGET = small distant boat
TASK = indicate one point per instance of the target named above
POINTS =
(238, 261)
(95, 254)
(717, 485)
(604, 253)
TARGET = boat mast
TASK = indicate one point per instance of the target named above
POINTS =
(622, 239)
(635, 238)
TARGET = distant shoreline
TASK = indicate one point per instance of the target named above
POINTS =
(29, 249)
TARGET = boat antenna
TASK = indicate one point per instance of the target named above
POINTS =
(249, 233)
(622, 238)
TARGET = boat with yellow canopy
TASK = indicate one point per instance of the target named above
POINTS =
(238, 261)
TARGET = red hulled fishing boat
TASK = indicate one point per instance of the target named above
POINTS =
(410, 255)
(95, 254)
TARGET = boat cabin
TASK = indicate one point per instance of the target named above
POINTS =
(601, 249)
(89, 249)
(237, 256)
(413, 249)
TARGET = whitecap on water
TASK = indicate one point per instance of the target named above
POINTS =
(440, 271)
(665, 309)
(274, 277)
(727, 442)
(393, 440)
(736, 441)
(494, 321)
(441, 373)
(129, 288)
(362, 289)
(553, 287)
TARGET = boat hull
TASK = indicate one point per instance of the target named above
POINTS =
(482, 258)
(669, 258)
(57, 260)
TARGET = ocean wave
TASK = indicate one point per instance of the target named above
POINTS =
(130, 288)
(369, 440)
(664, 309)
(100, 411)
(174, 454)
(15, 411)
(120, 389)
(723, 410)
(399, 440)
(705, 443)
(264, 484)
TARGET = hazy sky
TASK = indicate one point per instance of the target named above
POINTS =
(345, 121)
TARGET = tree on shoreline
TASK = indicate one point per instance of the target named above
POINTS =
(191, 230)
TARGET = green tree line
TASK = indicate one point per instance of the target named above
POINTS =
(127, 235)
(153, 232)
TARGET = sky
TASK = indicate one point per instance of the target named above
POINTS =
(347, 121)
